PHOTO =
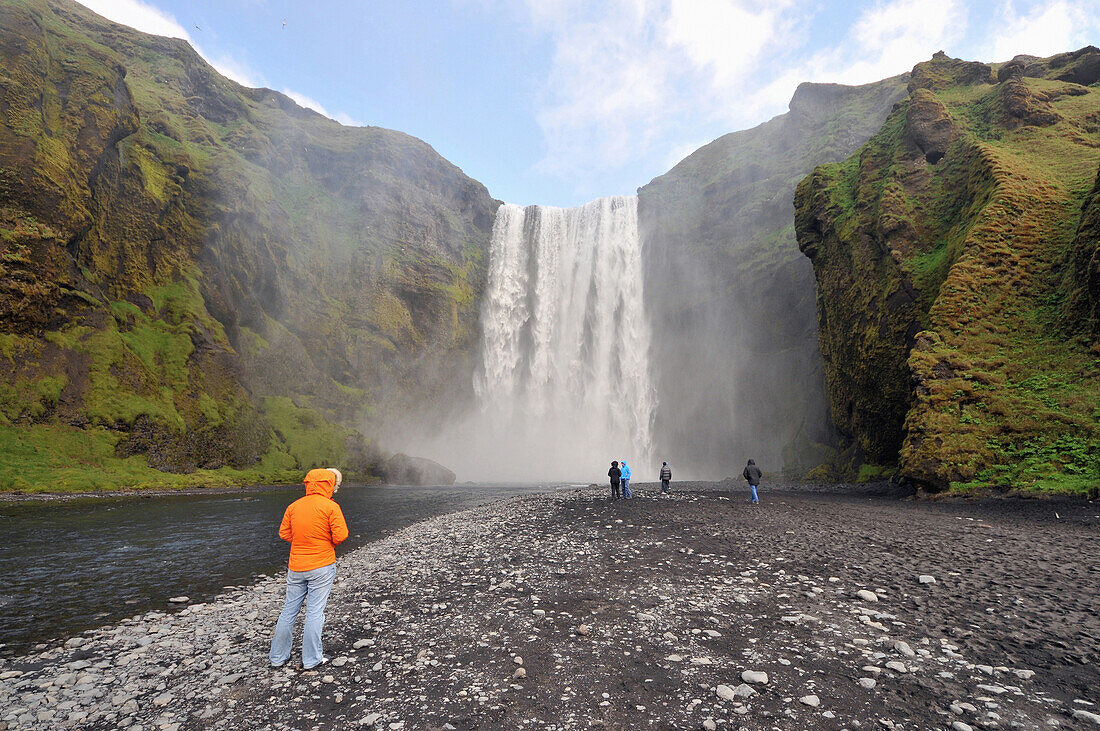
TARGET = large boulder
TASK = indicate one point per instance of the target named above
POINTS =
(401, 469)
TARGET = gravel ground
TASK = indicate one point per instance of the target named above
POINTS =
(694, 611)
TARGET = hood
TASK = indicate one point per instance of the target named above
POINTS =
(320, 482)
(752, 461)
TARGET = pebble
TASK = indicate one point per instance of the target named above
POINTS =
(725, 693)
(904, 648)
(926, 579)
(179, 599)
(1081, 715)
(170, 668)
(960, 726)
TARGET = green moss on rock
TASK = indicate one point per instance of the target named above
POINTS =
(956, 338)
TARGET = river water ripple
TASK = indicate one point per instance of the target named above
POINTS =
(68, 566)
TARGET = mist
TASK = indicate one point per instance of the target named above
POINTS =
(728, 302)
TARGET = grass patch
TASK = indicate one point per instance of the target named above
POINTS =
(55, 458)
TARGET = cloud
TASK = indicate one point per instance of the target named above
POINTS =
(233, 69)
(139, 15)
(724, 37)
(621, 72)
(1048, 29)
(643, 79)
(149, 19)
(310, 103)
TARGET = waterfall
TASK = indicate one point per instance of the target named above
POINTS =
(564, 386)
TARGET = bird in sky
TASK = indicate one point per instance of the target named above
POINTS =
(284, 25)
(198, 28)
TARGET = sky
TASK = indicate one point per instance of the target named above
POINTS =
(558, 102)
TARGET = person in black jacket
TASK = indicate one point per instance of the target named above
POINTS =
(666, 477)
(616, 475)
(753, 474)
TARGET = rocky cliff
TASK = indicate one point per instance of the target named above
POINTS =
(199, 276)
(956, 260)
(739, 371)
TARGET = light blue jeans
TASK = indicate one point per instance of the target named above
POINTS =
(755, 499)
(626, 489)
(315, 585)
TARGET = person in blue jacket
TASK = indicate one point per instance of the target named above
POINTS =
(626, 480)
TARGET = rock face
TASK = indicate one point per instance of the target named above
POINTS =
(401, 469)
(734, 324)
(955, 258)
(211, 273)
(1084, 283)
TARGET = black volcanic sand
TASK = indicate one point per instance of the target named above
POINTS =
(635, 613)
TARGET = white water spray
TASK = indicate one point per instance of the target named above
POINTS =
(565, 384)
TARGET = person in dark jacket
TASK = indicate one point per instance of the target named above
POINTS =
(666, 477)
(616, 475)
(753, 474)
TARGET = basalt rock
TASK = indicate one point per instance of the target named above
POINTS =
(401, 469)
(200, 264)
(731, 297)
(955, 258)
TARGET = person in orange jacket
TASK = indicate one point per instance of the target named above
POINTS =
(313, 525)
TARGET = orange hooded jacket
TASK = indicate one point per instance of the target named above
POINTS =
(314, 524)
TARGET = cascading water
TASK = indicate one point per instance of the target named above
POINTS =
(564, 386)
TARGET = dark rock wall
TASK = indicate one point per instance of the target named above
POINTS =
(178, 249)
(947, 252)
(732, 300)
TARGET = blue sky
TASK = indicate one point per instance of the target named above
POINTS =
(561, 101)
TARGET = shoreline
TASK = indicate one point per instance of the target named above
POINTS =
(882, 489)
(628, 614)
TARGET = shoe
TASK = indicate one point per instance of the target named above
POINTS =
(324, 660)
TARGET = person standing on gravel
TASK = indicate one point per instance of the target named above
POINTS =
(666, 477)
(753, 474)
(313, 525)
(626, 481)
(616, 476)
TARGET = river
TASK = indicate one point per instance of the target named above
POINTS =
(71, 565)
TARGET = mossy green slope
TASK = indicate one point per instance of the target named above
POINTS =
(732, 297)
(188, 267)
(956, 277)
